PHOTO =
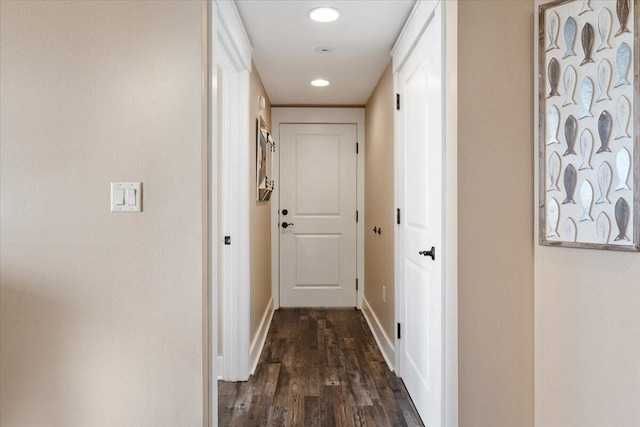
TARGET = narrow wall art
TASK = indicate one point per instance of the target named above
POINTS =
(589, 103)
(265, 146)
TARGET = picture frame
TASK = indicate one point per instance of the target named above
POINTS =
(589, 123)
(265, 147)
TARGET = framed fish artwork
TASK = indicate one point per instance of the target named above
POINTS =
(589, 118)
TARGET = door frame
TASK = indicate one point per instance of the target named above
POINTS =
(233, 57)
(293, 115)
(404, 47)
(209, 217)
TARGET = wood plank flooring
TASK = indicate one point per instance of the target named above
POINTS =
(319, 367)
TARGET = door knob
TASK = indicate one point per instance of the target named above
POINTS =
(431, 253)
(286, 224)
(284, 211)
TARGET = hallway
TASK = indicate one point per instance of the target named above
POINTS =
(319, 367)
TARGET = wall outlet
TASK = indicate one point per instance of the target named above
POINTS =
(384, 294)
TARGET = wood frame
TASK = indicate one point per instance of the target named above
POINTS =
(289, 115)
(404, 46)
(542, 133)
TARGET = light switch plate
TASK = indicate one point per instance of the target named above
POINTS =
(126, 197)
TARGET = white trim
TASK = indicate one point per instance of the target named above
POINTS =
(232, 34)
(450, 37)
(220, 366)
(210, 214)
(413, 29)
(384, 343)
(290, 115)
(261, 336)
(234, 188)
(407, 40)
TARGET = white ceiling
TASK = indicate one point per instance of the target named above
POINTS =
(284, 40)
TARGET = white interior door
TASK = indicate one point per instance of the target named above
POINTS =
(420, 196)
(318, 173)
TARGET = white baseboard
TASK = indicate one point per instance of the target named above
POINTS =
(220, 367)
(386, 345)
(261, 336)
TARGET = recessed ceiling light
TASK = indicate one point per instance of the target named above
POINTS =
(324, 49)
(320, 83)
(324, 14)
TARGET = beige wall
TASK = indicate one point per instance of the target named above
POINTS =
(587, 329)
(495, 173)
(101, 313)
(259, 215)
(379, 202)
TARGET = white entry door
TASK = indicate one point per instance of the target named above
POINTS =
(318, 173)
(420, 198)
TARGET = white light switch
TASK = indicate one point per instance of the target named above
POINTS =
(131, 197)
(126, 197)
(119, 197)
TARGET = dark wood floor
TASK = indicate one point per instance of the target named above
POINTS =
(318, 368)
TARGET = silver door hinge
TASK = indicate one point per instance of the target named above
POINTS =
(357, 216)
(357, 147)
(399, 331)
(398, 216)
(356, 284)
(397, 101)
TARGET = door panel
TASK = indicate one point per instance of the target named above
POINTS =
(318, 190)
(317, 175)
(420, 132)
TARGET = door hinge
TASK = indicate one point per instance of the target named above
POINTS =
(357, 147)
(227, 240)
(398, 216)
(399, 335)
(397, 101)
(356, 284)
(357, 216)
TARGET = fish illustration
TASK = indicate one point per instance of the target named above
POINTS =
(554, 77)
(623, 165)
(604, 80)
(604, 131)
(569, 79)
(570, 230)
(623, 59)
(586, 200)
(622, 9)
(603, 227)
(623, 113)
(586, 97)
(586, 149)
(555, 164)
(570, 29)
(622, 219)
(553, 216)
(553, 123)
(552, 31)
(586, 7)
(604, 29)
(604, 183)
(570, 177)
(587, 43)
(570, 133)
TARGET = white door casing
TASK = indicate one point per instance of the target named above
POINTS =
(306, 115)
(420, 239)
(318, 181)
(233, 59)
